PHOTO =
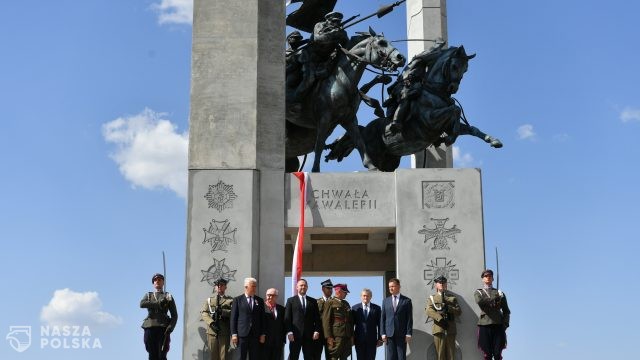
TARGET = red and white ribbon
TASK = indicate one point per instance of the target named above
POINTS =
(296, 266)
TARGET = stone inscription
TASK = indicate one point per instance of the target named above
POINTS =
(440, 266)
(438, 194)
(342, 199)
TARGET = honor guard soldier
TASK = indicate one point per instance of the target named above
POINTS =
(158, 325)
(337, 322)
(494, 318)
(216, 313)
(443, 308)
(327, 294)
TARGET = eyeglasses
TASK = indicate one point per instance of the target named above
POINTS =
(272, 295)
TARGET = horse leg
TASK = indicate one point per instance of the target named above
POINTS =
(474, 131)
(321, 137)
(354, 131)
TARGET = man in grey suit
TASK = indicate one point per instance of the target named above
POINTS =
(396, 322)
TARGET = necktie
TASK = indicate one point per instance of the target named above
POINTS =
(395, 302)
(250, 302)
(366, 312)
(304, 304)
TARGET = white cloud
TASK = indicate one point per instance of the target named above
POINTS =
(629, 114)
(174, 11)
(68, 307)
(461, 159)
(526, 132)
(150, 153)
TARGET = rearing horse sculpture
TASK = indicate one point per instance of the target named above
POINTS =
(335, 100)
(433, 117)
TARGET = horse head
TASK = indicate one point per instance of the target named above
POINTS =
(447, 72)
(373, 49)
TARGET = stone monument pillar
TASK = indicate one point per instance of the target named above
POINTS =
(439, 231)
(236, 155)
(427, 19)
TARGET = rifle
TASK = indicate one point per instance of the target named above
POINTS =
(216, 315)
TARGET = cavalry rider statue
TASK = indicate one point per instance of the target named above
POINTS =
(411, 81)
(319, 58)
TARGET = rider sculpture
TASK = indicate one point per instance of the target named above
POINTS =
(411, 81)
(319, 57)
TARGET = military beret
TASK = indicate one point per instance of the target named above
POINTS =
(487, 272)
(156, 276)
(327, 283)
(440, 279)
(221, 281)
(342, 287)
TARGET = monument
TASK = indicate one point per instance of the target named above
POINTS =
(243, 213)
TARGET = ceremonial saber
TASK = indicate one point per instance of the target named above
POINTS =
(164, 271)
(497, 271)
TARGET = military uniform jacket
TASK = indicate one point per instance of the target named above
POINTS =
(209, 307)
(337, 319)
(157, 310)
(493, 307)
(434, 308)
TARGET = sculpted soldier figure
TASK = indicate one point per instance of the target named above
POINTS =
(319, 58)
(411, 81)
(494, 318)
(337, 323)
(216, 313)
(158, 325)
(443, 308)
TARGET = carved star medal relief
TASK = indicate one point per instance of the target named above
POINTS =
(440, 234)
(441, 267)
(218, 270)
(219, 236)
(220, 196)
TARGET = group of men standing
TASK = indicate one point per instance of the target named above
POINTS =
(259, 328)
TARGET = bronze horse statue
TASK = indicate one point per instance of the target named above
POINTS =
(433, 118)
(334, 100)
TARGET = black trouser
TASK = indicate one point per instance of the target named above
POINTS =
(492, 339)
(308, 347)
(153, 338)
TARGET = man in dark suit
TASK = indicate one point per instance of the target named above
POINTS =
(302, 323)
(274, 319)
(367, 326)
(396, 322)
(247, 321)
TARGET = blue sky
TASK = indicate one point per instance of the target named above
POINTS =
(94, 102)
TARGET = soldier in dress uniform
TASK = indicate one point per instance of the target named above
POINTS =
(494, 318)
(337, 322)
(216, 313)
(443, 308)
(327, 294)
(158, 325)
